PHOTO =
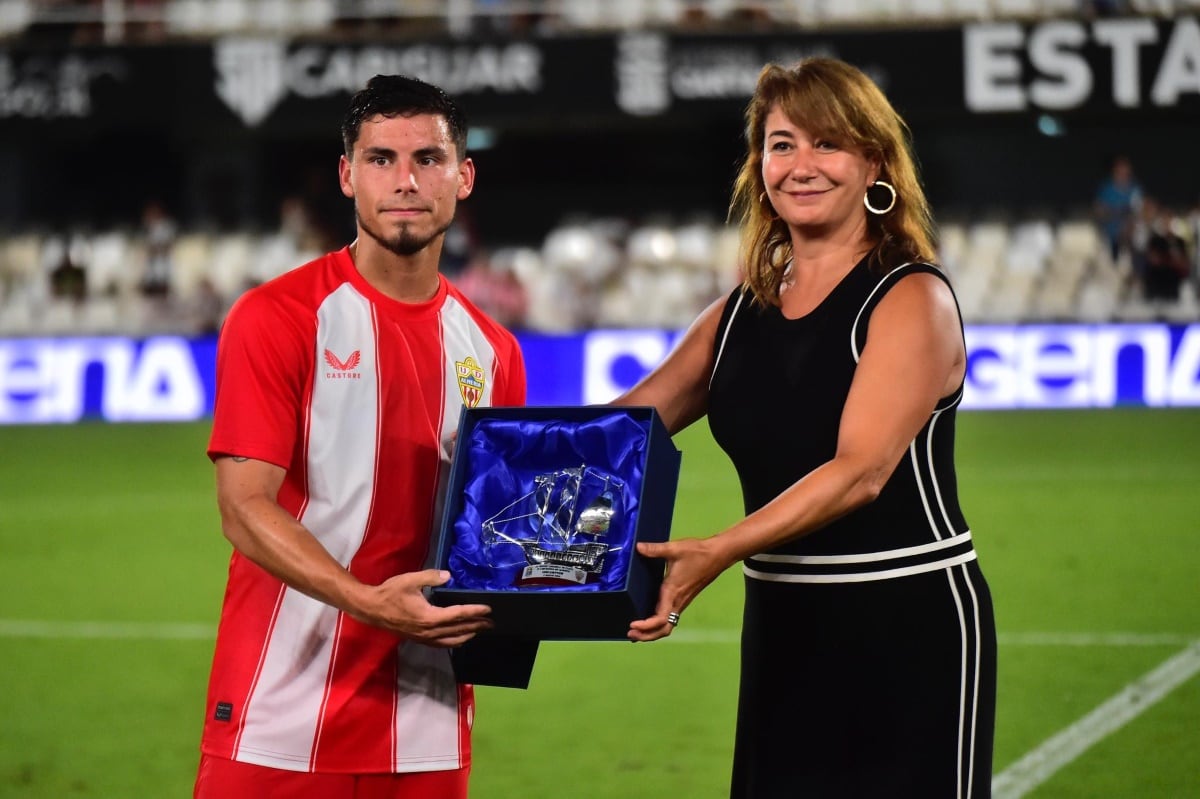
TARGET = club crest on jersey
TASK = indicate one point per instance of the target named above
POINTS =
(343, 370)
(470, 381)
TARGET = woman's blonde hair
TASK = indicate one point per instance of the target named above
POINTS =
(832, 99)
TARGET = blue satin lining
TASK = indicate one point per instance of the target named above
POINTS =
(503, 458)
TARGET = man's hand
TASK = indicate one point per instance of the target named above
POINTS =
(265, 533)
(399, 604)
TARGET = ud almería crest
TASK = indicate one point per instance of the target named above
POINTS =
(470, 381)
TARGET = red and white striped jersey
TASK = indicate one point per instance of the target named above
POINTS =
(356, 396)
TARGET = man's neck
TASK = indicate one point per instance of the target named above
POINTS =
(404, 278)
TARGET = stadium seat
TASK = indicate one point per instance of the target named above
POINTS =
(726, 247)
(583, 14)
(928, 9)
(292, 15)
(273, 255)
(232, 261)
(952, 245)
(652, 246)
(191, 262)
(578, 258)
(859, 11)
(972, 296)
(524, 262)
(987, 242)
(20, 257)
(186, 17)
(1136, 309)
(58, 318)
(1187, 309)
(1030, 245)
(694, 244)
(110, 267)
(227, 16)
(1078, 237)
(659, 278)
(16, 315)
(100, 315)
(1016, 8)
(1097, 301)
(1055, 297)
(1011, 298)
(15, 16)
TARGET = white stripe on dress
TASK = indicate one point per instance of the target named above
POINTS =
(859, 577)
(725, 336)
(868, 557)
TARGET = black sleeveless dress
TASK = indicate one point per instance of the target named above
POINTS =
(868, 646)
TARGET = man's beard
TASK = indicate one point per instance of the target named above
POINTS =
(404, 242)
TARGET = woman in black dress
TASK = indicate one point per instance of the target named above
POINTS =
(831, 378)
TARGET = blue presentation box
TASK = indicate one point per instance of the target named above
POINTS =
(630, 444)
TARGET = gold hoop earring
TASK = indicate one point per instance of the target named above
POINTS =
(867, 198)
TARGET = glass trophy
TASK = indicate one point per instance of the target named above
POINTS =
(556, 533)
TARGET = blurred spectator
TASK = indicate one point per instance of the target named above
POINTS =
(496, 289)
(295, 222)
(159, 231)
(296, 240)
(68, 279)
(205, 309)
(1117, 203)
(1166, 262)
(460, 244)
(1192, 237)
(1105, 8)
(148, 20)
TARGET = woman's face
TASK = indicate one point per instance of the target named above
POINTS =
(813, 182)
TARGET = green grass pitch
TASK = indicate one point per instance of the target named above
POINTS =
(112, 567)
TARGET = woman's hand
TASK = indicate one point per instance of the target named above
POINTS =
(692, 563)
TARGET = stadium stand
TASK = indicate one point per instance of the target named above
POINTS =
(588, 273)
(654, 271)
(122, 20)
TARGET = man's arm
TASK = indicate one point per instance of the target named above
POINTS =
(261, 530)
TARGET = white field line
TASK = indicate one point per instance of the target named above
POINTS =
(1013, 783)
(1094, 639)
(181, 631)
(1114, 639)
(18, 628)
(1060, 749)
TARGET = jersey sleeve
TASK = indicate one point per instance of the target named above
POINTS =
(262, 363)
(511, 384)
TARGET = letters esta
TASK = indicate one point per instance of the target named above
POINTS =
(1064, 77)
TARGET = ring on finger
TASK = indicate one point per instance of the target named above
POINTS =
(673, 618)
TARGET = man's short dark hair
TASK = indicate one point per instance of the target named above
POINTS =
(399, 95)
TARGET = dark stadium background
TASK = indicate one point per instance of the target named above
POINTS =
(154, 125)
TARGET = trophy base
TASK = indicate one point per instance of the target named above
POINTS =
(552, 574)
(578, 564)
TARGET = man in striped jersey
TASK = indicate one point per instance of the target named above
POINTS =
(339, 385)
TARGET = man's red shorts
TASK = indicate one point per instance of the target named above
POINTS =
(219, 778)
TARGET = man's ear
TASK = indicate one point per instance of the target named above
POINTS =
(344, 169)
(466, 178)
